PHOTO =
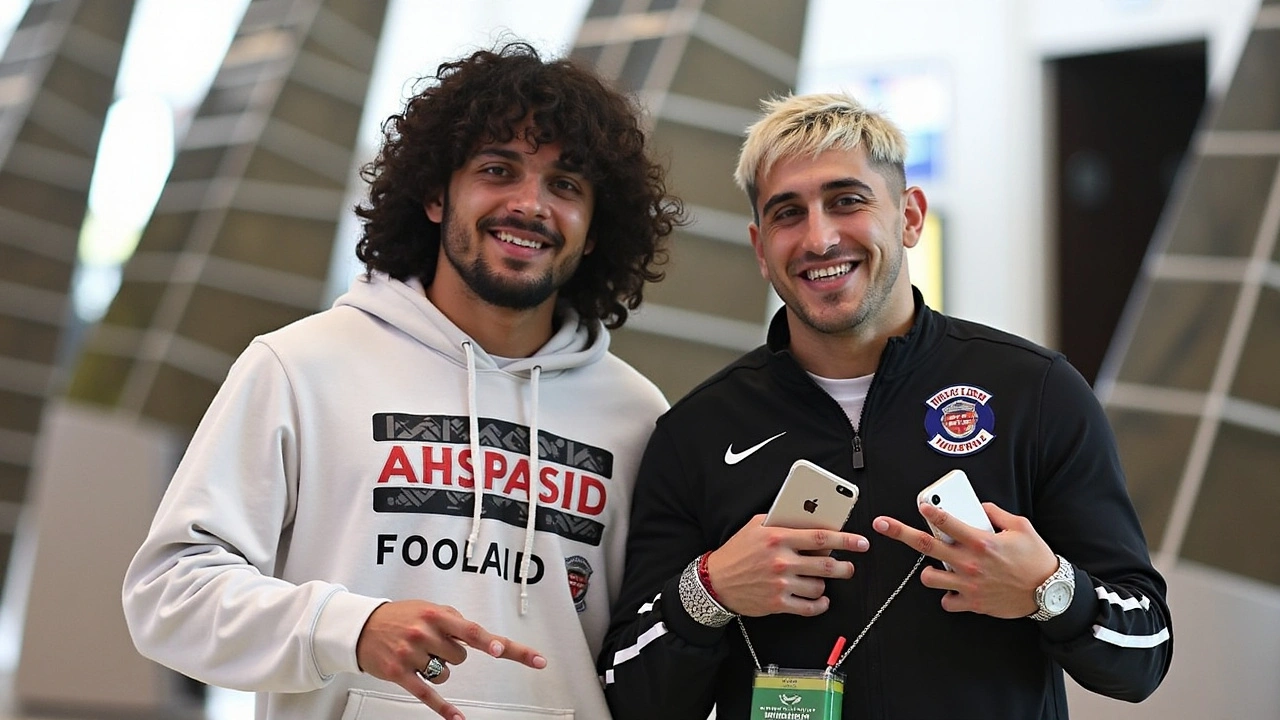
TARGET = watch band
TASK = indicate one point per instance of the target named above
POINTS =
(698, 602)
(1064, 573)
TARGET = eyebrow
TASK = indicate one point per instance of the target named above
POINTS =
(841, 184)
(514, 156)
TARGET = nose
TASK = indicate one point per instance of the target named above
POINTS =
(821, 234)
(528, 197)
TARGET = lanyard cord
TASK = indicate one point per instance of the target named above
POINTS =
(856, 640)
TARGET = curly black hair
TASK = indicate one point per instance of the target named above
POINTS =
(487, 97)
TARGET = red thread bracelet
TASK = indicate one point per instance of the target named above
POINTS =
(704, 576)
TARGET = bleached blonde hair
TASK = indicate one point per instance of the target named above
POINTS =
(809, 125)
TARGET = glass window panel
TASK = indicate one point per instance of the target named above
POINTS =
(227, 321)
(708, 73)
(1251, 103)
(40, 200)
(1179, 334)
(99, 378)
(1236, 507)
(1220, 212)
(318, 113)
(73, 83)
(197, 164)
(167, 231)
(20, 266)
(13, 482)
(275, 167)
(587, 56)
(639, 59)
(28, 340)
(227, 100)
(1153, 451)
(709, 278)
(701, 166)
(1256, 376)
(21, 411)
(292, 245)
(178, 398)
(134, 304)
(778, 24)
(604, 8)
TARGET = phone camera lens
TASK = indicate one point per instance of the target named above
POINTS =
(935, 499)
(844, 491)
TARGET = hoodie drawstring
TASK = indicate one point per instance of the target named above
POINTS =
(533, 492)
(477, 464)
(479, 472)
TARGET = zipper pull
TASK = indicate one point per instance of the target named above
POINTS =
(858, 462)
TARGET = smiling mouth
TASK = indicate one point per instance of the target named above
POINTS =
(519, 241)
(826, 273)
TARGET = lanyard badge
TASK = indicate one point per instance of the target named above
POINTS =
(801, 694)
(796, 694)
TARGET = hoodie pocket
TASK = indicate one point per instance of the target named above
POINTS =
(371, 705)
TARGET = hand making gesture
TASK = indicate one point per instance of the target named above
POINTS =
(991, 573)
(412, 643)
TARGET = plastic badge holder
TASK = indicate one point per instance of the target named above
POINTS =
(794, 694)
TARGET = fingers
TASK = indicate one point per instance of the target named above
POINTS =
(429, 697)
(827, 540)
(511, 650)
(921, 541)
(805, 607)
(474, 635)
(961, 532)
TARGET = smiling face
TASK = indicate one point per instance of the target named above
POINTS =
(831, 238)
(514, 226)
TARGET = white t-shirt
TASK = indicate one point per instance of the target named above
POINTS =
(851, 393)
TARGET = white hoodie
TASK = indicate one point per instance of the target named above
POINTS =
(332, 472)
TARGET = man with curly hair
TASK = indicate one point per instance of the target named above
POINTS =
(443, 461)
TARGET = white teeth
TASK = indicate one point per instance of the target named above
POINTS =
(829, 272)
(508, 237)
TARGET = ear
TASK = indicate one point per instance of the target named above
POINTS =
(434, 206)
(589, 245)
(757, 244)
(914, 208)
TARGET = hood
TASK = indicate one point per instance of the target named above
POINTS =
(405, 306)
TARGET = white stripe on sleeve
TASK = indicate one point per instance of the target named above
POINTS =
(1130, 641)
(1134, 603)
(631, 651)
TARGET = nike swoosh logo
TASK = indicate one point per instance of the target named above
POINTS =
(733, 458)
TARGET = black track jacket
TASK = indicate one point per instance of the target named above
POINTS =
(1033, 439)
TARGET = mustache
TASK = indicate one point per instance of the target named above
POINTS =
(531, 226)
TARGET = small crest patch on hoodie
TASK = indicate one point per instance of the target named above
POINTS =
(958, 420)
(579, 580)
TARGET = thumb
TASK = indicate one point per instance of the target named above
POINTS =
(1000, 519)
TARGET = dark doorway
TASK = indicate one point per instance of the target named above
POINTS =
(1123, 123)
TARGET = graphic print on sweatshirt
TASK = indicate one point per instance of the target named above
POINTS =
(428, 469)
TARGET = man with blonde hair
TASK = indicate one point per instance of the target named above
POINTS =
(862, 378)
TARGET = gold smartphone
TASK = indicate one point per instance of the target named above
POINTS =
(812, 497)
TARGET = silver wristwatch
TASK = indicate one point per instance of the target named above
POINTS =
(698, 602)
(1054, 595)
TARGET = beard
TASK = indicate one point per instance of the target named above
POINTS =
(874, 301)
(515, 293)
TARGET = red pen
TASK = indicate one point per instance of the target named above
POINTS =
(835, 654)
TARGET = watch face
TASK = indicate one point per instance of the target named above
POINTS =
(1057, 597)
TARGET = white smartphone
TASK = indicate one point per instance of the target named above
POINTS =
(953, 492)
(812, 497)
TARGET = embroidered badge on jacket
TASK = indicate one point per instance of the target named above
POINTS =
(959, 421)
